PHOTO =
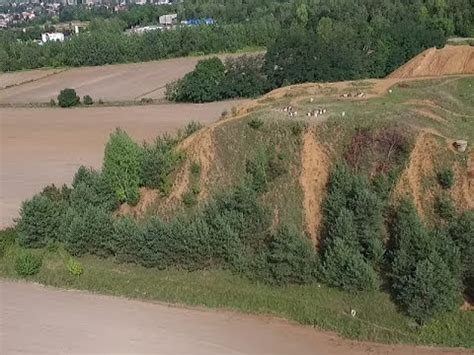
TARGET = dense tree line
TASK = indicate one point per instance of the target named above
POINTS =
(213, 80)
(339, 41)
(106, 46)
(320, 40)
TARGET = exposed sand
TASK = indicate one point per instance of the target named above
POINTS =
(35, 319)
(449, 60)
(314, 177)
(43, 146)
(118, 82)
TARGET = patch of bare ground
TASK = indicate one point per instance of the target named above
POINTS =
(147, 199)
(205, 154)
(313, 179)
(180, 185)
(200, 147)
(463, 189)
(436, 62)
(419, 168)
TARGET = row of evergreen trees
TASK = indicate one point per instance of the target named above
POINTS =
(366, 244)
(232, 231)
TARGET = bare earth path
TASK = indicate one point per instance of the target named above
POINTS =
(35, 319)
(42, 146)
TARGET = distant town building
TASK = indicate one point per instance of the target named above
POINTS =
(198, 21)
(169, 20)
(144, 29)
(52, 37)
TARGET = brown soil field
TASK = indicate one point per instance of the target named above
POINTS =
(449, 60)
(36, 319)
(118, 82)
(16, 78)
(46, 145)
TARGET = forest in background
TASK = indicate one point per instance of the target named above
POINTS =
(306, 40)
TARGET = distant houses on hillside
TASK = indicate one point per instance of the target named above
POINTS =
(52, 37)
(170, 22)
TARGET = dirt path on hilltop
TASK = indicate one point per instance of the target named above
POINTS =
(35, 319)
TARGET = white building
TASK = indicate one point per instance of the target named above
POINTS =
(54, 36)
(168, 20)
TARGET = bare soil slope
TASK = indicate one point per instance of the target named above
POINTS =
(313, 179)
(437, 62)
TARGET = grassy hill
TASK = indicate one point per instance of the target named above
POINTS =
(395, 136)
(430, 114)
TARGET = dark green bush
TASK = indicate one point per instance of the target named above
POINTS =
(346, 269)
(257, 170)
(27, 263)
(342, 262)
(201, 85)
(195, 169)
(68, 98)
(352, 245)
(146, 100)
(90, 188)
(122, 166)
(56, 194)
(255, 123)
(243, 77)
(461, 231)
(290, 258)
(129, 241)
(159, 161)
(52, 103)
(40, 219)
(446, 178)
(265, 167)
(429, 290)
(89, 232)
(425, 276)
(87, 100)
(297, 127)
(444, 207)
(190, 199)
